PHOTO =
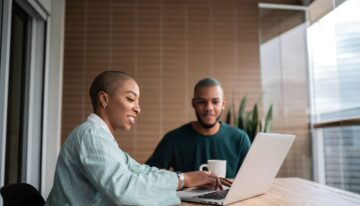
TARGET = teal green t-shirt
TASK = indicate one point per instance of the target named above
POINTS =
(184, 149)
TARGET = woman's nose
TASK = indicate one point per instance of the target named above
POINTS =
(137, 109)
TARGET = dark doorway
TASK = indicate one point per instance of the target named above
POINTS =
(16, 97)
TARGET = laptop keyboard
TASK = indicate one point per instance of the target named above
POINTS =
(218, 195)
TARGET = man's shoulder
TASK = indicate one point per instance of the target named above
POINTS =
(233, 131)
(180, 130)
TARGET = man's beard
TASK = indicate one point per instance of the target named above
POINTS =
(207, 126)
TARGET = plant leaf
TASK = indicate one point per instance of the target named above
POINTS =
(228, 117)
(253, 127)
(235, 118)
(252, 130)
(268, 120)
(241, 117)
(249, 121)
(260, 127)
(255, 114)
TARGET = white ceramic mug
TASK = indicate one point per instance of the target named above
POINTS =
(217, 167)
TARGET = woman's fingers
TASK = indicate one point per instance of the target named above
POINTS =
(205, 180)
(219, 185)
(225, 182)
(216, 181)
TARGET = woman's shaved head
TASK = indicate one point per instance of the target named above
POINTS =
(108, 82)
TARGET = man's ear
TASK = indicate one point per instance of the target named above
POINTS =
(193, 102)
(224, 104)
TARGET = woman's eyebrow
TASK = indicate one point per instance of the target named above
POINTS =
(132, 93)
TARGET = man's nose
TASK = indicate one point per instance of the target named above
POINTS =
(209, 106)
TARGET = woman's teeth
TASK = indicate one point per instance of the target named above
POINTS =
(131, 119)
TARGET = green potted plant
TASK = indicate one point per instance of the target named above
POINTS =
(249, 121)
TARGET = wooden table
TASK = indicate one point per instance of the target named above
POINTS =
(299, 192)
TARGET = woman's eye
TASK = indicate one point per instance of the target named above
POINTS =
(130, 99)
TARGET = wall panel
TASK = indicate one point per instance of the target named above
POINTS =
(167, 46)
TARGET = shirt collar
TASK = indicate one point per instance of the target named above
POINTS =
(97, 120)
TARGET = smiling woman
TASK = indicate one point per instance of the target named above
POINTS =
(93, 170)
(115, 98)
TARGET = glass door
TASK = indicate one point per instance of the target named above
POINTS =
(23, 88)
(16, 95)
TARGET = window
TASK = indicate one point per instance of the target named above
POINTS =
(342, 162)
(334, 48)
(42, 91)
(22, 89)
(16, 95)
(284, 79)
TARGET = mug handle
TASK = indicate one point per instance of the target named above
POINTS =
(202, 167)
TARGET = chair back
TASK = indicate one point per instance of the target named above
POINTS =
(21, 194)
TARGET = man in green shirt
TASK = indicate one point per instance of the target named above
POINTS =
(189, 146)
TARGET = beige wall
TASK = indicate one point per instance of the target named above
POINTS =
(167, 46)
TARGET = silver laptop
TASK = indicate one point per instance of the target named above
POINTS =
(255, 175)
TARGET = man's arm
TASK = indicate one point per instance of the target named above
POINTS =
(163, 154)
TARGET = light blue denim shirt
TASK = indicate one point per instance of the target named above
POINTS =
(93, 170)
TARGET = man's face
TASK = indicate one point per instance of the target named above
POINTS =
(208, 103)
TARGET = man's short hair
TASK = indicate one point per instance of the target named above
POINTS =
(106, 81)
(207, 82)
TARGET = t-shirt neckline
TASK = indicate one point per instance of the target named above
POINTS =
(213, 135)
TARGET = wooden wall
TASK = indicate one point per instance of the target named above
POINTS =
(167, 46)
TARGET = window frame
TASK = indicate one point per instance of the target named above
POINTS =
(317, 124)
(34, 92)
(4, 77)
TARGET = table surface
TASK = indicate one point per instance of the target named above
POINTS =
(299, 192)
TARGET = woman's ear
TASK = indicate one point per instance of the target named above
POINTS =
(103, 99)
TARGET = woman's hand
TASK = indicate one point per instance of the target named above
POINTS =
(225, 182)
(205, 179)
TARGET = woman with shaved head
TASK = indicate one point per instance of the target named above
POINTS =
(93, 170)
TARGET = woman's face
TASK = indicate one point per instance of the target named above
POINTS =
(123, 105)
